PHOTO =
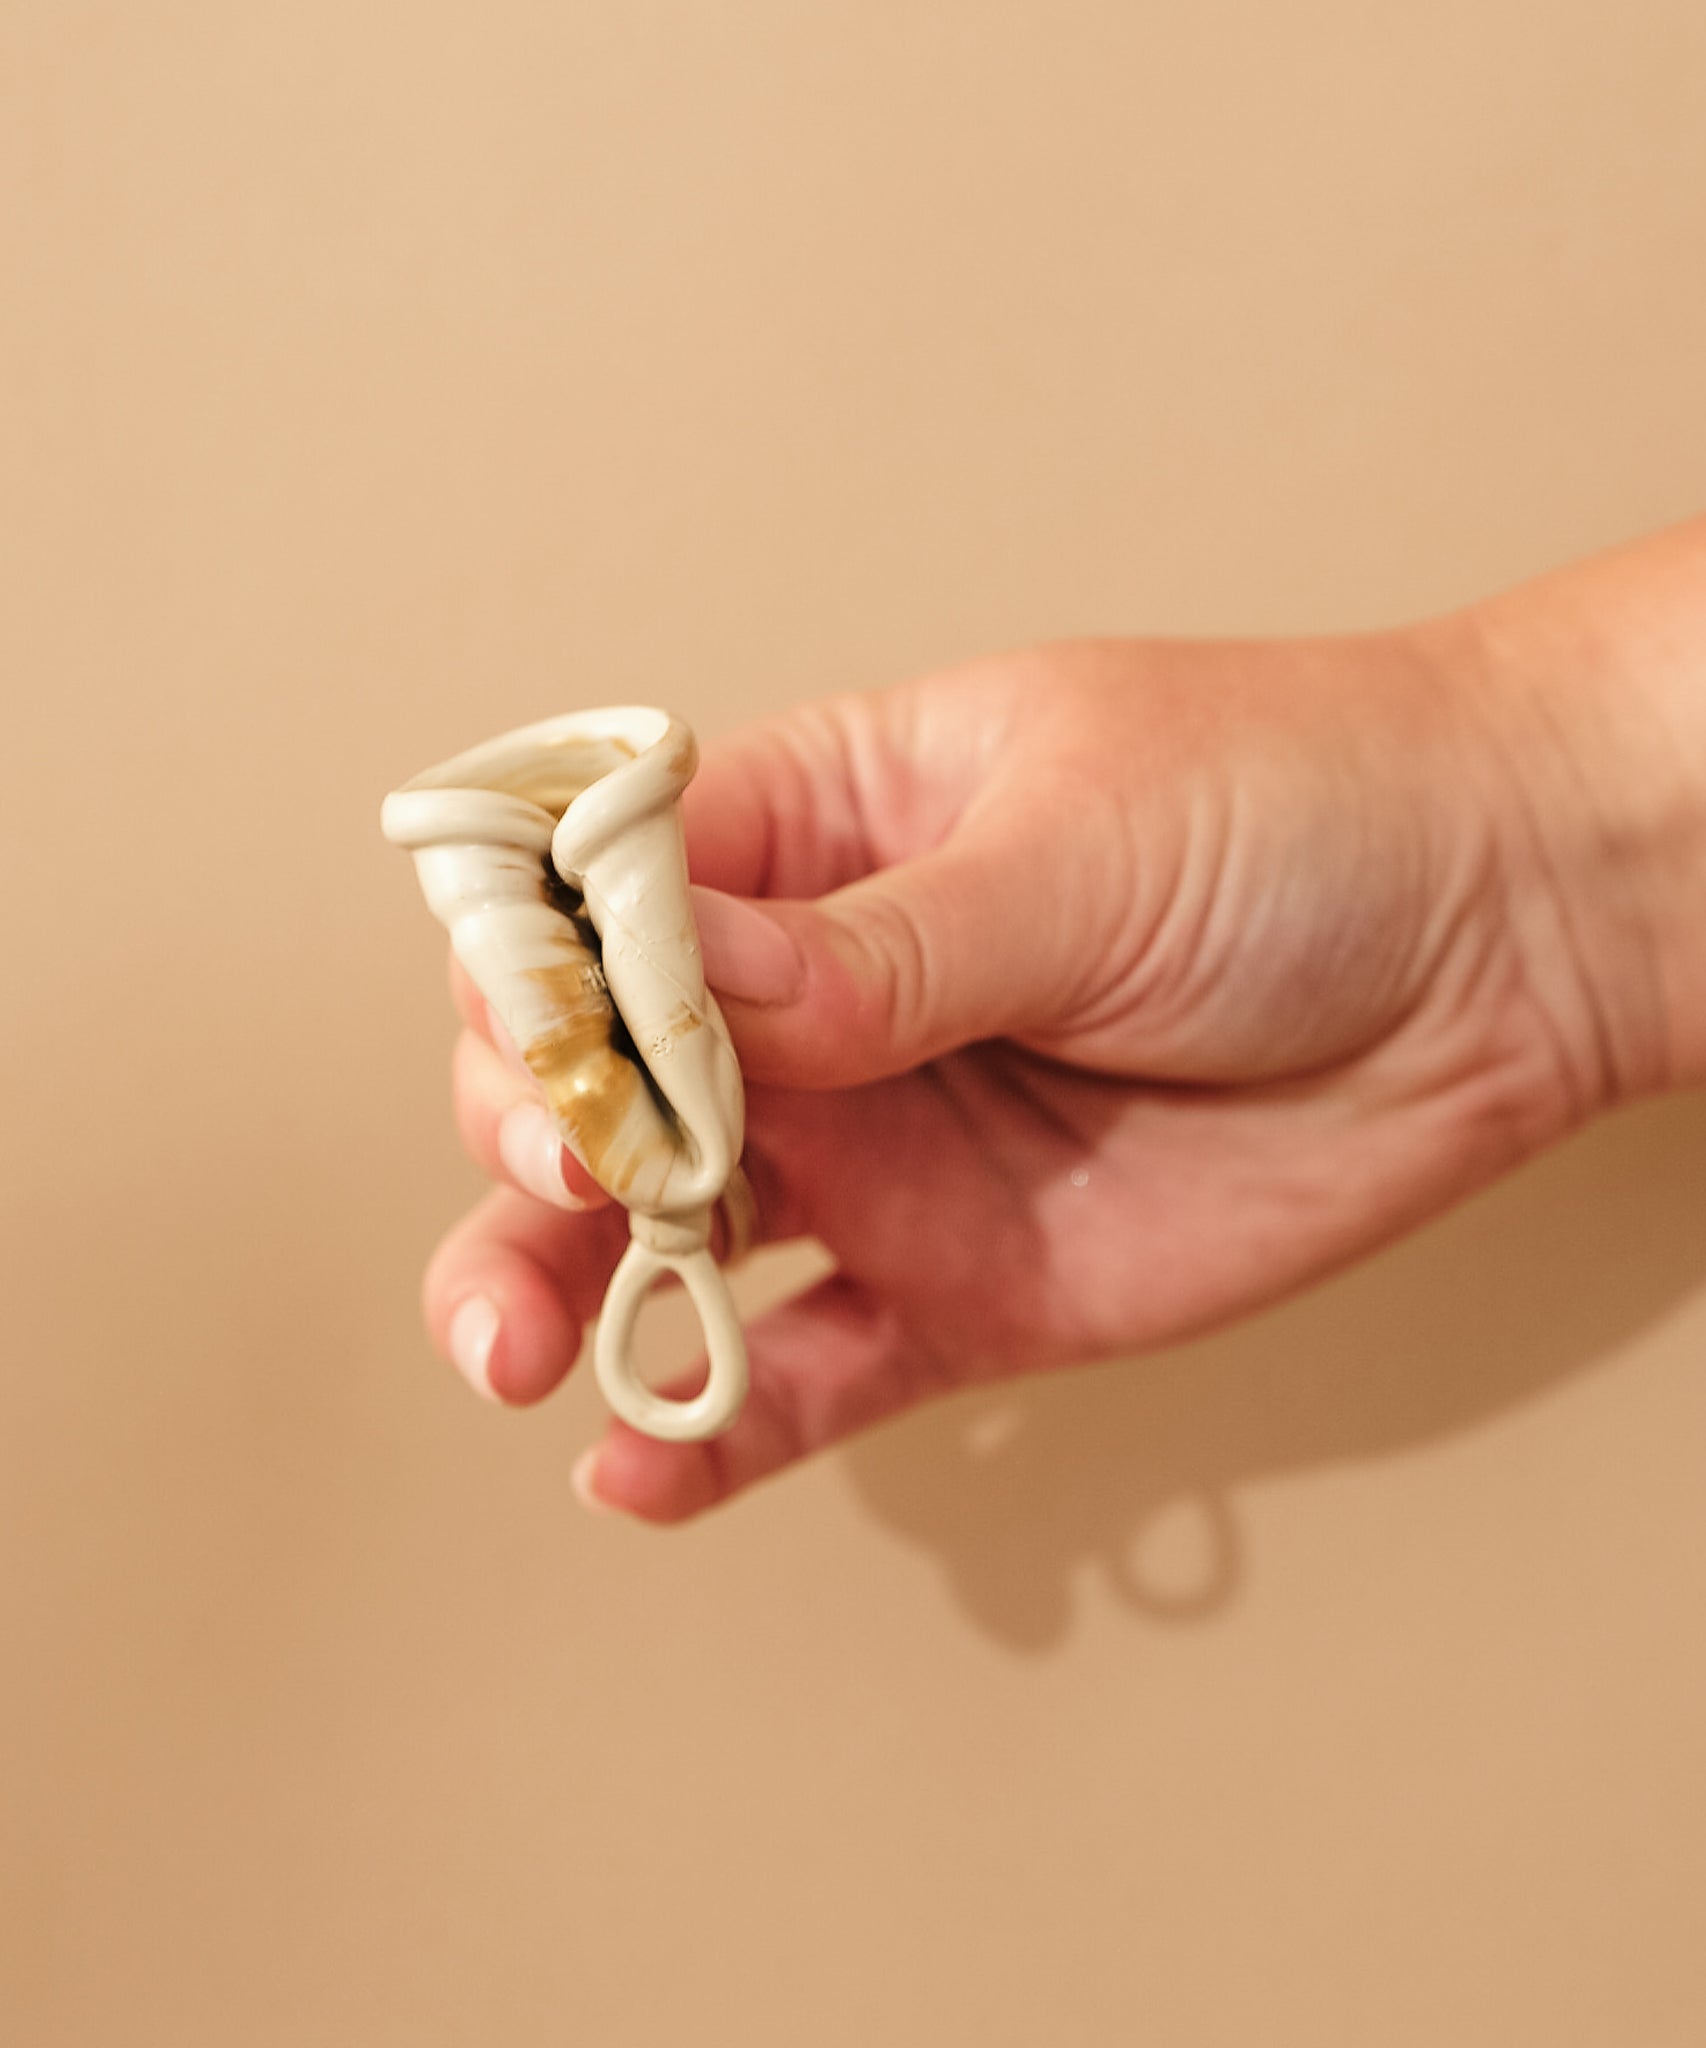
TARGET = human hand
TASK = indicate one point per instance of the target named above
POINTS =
(1088, 999)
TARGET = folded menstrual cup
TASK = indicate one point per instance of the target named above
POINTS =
(554, 857)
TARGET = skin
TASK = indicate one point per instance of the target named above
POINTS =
(1138, 984)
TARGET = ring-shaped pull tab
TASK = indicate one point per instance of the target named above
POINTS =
(680, 1245)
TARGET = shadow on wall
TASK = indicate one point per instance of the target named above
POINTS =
(1132, 1468)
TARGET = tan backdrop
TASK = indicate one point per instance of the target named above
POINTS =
(376, 377)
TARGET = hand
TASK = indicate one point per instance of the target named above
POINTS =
(1088, 999)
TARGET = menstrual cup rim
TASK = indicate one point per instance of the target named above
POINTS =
(642, 726)
(416, 819)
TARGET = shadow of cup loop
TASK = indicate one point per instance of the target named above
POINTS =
(1158, 1590)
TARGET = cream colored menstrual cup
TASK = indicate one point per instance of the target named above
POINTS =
(554, 857)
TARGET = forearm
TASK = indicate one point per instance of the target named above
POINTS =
(1593, 686)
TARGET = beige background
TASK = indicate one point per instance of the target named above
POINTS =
(375, 377)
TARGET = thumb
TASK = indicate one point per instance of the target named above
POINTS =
(886, 973)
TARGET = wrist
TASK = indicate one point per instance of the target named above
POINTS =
(1591, 689)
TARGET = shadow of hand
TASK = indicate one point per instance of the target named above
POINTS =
(1132, 1470)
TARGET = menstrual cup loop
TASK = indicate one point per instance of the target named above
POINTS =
(661, 1245)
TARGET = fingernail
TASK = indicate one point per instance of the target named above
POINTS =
(532, 1153)
(473, 1332)
(747, 955)
(580, 1478)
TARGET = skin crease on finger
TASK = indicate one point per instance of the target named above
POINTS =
(1271, 956)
